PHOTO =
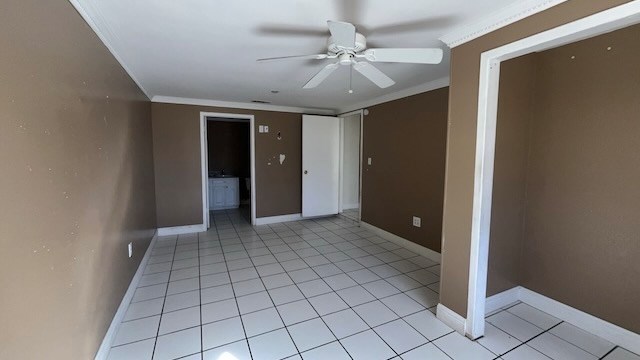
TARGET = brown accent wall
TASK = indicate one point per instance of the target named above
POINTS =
(463, 105)
(228, 147)
(176, 141)
(406, 140)
(76, 183)
(515, 105)
(580, 242)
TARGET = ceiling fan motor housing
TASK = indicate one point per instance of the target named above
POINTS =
(361, 45)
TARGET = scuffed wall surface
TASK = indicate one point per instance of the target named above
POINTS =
(463, 106)
(76, 182)
(406, 140)
(176, 141)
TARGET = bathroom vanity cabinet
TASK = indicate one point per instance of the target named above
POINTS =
(224, 193)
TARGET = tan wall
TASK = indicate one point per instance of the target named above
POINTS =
(176, 141)
(76, 185)
(515, 105)
(582, 234)
(463, 105)
(406, 140)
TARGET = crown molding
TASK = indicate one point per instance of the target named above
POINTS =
(101, 30)
(240, 105)
(432, 85)
(499, 19)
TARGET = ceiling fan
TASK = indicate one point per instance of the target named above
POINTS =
(346, 45)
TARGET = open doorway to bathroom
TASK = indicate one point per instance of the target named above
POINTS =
(229, 165)
(350, 165)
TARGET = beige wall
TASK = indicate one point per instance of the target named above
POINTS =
(176, 141)
(406, 140)
(463, 104)
(76, 185)
(582, 234)
(515, 105)
(351, 162)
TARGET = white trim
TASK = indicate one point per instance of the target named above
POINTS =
(341, 163)
(587, 322)
(409, 245)
(605, 21)
(350, 206)
(105, 346)
(240, 105)
(253, 190)
(499, 19)
(204, 166)
(429, 86)
(341, 205)
(103, 33)
(450, 318)
(361, 166)
(177, 230)
(354, 112)
(204, 154)
(278, 219)
(500, 300)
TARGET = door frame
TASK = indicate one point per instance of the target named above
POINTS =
(599, 23)
(341, 175)
(204, 160)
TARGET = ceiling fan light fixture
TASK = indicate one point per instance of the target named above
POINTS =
(345, 58)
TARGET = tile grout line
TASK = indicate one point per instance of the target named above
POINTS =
(155, 343)
(235, 299)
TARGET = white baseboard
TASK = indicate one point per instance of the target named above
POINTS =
(451, 318)
(587, 322)
(278, 219)
(350, 206)
(177, 230)
(410, 245)
(103, 351)
(505, 298)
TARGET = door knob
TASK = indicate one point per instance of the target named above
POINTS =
(306, 172)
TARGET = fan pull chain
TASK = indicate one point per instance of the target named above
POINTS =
(351, 79)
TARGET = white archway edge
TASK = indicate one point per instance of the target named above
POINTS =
(602, 22)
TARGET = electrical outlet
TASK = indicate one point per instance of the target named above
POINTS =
(261, 128)
(130, 247)
(417, 222)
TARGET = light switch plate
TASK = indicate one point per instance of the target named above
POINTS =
(266, 128)
(417, 222)
(261, 128)
(369, 161)
(130, 248)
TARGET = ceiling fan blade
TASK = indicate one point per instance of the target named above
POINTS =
(320, 76)
(372, 73)
(343, 34)
(296, 57)
(414, 56)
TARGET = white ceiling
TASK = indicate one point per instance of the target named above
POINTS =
(207, 49)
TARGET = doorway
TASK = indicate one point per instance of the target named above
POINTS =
(605, 21)
(228, 164)
(351, 165)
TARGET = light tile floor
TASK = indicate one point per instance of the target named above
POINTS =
(316, 289)
(352, 214)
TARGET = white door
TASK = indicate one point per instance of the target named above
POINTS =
(320, 165)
